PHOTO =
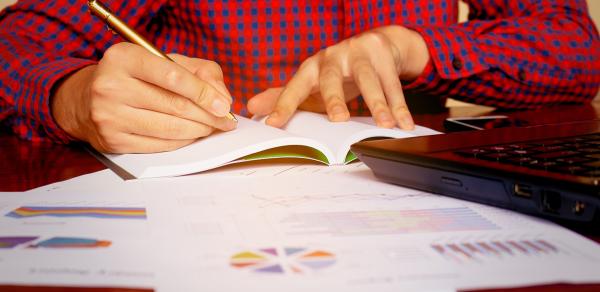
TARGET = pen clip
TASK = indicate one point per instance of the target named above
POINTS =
(100, 10)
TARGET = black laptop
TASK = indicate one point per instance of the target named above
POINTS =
(547, 170)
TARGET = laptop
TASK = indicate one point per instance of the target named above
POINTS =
(548, 170)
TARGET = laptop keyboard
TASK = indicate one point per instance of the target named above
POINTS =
(578, 155)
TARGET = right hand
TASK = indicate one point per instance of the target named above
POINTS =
(136, 102)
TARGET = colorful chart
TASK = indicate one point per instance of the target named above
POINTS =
(93, 212)
(481, 250)
(386, 222)
(71, 242)
(296, 260)
(14, 241)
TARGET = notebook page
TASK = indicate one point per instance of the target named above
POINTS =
(210, 152)
(339, 136)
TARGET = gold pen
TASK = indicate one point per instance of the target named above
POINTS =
(119, 27)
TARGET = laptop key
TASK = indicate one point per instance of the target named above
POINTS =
(589, 150)
(543, 164)
(573, 169)
(573, 160)
(519, 146)
(497, 148)
(522, 152)
(550, 148)
(558, 154)
(495, 156)
(471, 152)
(524, 161)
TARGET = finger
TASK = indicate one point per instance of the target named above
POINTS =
(141, 64)
(132, 143)
(367, 80)
(264, 102)
(150, 97)
(206, 70)
(295, 91)
(162, 126)
(395, 96)
(332, 91)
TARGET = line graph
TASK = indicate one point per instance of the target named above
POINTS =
(265, 201)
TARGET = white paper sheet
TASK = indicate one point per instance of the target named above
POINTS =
(341, 231)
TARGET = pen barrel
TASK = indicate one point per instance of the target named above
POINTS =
(122, 28)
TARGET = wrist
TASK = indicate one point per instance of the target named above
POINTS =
(412, 52)
(68, 103)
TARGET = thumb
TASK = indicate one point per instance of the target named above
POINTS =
(263, 103)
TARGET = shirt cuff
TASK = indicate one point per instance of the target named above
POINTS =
(427, 81)
(454, 54)
(37, 89)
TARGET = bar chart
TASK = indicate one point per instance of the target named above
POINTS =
(477, 251)
(386, 222)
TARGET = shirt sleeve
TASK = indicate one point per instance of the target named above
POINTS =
(42, 42)
(514, 54)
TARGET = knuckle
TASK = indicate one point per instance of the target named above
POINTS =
(114, 145)
(179, 106)
(98, 117)
(102, 86)
(117, 51)
(309, 62)
(173, 77)
(328, 53)
(210, 70)
(375, 38)
(329, 72)
(204, 94)
(173, 129)
(361, 65)
(379, 106)
(214, 67)
(108, 141)
(204, 131)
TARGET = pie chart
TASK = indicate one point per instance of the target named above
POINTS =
(294, 260)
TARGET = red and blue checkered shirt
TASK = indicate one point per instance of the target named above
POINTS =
(511, 54)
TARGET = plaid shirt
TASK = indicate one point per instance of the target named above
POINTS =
(511, 54)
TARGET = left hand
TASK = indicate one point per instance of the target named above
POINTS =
(371, 63)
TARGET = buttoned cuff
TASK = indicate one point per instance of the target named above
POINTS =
(454, 50)
(38, 85)
(427, 81)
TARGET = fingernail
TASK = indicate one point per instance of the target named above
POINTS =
(337, 114)
(272, 119)
(408, 121)
(385, 119)
(220, 107)
(230, 125)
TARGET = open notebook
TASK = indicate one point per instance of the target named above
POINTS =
(307, 135)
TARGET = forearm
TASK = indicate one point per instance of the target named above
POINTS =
(541, 55)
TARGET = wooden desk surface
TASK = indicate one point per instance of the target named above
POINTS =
(25, 165)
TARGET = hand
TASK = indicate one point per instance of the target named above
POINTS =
(371, 64)
(136, 102)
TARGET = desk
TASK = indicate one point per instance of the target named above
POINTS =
(27, 165)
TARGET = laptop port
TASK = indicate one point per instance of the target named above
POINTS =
(551, 201)
(523, 191)
(578, 208)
